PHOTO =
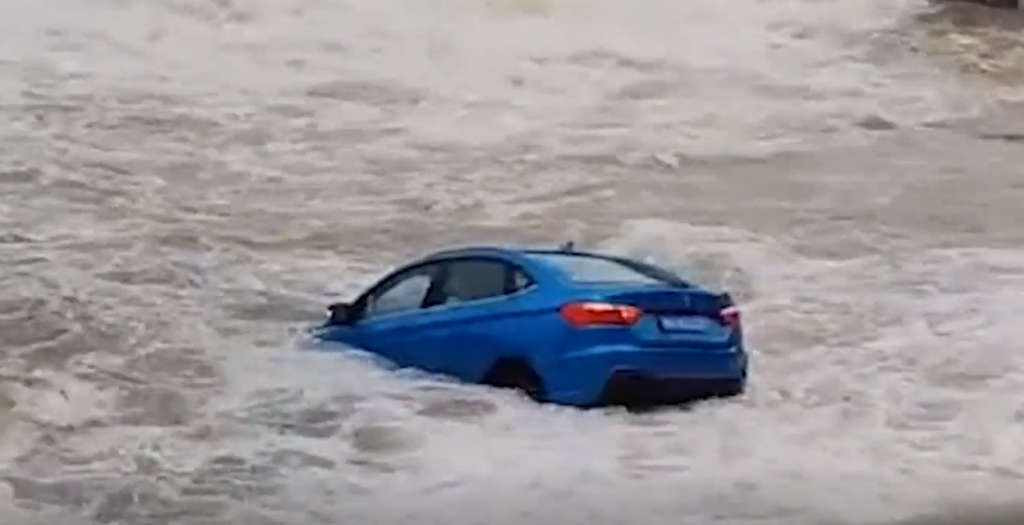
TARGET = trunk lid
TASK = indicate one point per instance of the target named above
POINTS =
(687, 317)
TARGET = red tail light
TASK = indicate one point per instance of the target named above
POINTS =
(730, 316)
(598, 314)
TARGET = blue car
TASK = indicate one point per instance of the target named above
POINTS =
(564, 326)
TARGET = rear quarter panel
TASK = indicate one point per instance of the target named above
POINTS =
(479, 334)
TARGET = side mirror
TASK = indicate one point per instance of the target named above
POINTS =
(339, 313)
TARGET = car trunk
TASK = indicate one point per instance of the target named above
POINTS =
(680, 317)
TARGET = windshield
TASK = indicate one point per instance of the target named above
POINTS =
(591, 269)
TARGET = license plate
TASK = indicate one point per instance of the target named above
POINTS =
(682, 324)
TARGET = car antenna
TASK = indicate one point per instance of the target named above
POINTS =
(569, 246)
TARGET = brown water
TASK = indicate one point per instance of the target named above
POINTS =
(186, 183)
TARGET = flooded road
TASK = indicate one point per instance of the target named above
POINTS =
(185, 184)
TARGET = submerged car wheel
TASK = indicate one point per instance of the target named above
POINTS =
(518, 375)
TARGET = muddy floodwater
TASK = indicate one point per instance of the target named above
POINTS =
(185, 184)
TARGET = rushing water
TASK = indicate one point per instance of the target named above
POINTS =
(186, 183)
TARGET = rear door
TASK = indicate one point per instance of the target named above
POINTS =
(487, 312)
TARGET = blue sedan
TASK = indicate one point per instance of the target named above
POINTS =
(564, 326)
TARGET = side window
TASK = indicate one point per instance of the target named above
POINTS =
(405, 293)
(472, 280)
(520, 280)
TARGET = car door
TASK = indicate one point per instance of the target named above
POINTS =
(484, 300)
(391, 319)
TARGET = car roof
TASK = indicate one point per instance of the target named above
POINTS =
(505, 251)
(470, 251)
(519, 255)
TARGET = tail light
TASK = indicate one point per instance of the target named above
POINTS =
(600, 314)
(730, 316)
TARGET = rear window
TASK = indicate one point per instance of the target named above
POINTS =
(589, 269)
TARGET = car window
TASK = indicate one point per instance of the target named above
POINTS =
(582, 268)
(405, 293)
(475, 279)
(520, 280)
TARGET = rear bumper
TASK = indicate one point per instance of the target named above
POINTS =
(631, 375)
(640, 389)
